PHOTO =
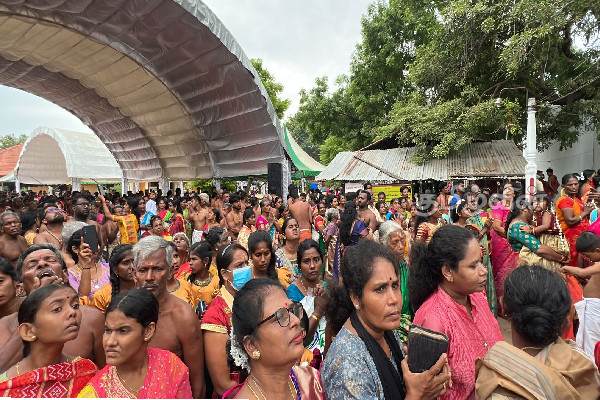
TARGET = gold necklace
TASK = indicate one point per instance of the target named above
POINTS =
(204, 282)
(259, 389)
(253, 392)
(294, 392)
(134, 392)
(290, 385)
(304, 287)
(17, 367)
(60, 242)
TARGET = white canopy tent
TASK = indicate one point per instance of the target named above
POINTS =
(161, 82)
(53, 156)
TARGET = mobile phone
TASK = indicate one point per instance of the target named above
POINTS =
(90, 236)
(101, 190)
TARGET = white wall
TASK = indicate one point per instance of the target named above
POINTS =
(585, 154)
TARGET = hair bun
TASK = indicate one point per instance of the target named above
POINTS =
(536, 324)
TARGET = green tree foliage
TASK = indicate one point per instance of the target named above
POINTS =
(273, 88)
(427, 72)
(206, 185)
(11, 140)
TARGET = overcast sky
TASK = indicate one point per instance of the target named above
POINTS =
(298, 41)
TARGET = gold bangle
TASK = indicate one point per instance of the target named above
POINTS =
(315, 317)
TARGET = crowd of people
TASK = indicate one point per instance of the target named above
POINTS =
(233, 295)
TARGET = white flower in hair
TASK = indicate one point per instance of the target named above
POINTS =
(239, 355)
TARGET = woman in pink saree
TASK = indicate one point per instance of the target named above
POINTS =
(504, 260)
(133, 369)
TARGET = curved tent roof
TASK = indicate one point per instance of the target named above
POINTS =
(54, 156)
(301, 159)
(161, 82)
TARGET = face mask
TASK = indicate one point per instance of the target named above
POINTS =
(241, 276)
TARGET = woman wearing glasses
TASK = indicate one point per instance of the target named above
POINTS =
(267, 341)
(234, 272)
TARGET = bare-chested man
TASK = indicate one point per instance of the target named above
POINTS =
(234, 217)
(218, 203)
(178, 328)
(226, 209)
(54, 218)
(12, 243)
(302, 213)
(364, 214)
(198, 214)
(42, 265)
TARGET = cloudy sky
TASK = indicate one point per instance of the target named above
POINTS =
(298, 41)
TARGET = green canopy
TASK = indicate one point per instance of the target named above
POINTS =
(302, 161)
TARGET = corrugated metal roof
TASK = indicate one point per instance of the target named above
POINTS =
(495, 159)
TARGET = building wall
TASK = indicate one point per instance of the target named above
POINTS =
(585, 154)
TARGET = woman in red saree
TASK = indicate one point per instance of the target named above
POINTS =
(48, 318)
(176, 222)
(161, 208)
(133, 369)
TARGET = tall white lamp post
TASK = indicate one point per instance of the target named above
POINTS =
(530, 150)
(530, 144)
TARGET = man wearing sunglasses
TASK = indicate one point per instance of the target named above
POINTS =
(54, 218)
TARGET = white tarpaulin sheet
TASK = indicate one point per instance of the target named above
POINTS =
(55, 156)
(161, 82)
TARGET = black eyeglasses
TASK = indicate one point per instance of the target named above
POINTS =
(283, 315)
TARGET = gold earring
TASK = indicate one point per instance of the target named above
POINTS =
(255, 355)
(33, 337)
(356, 306)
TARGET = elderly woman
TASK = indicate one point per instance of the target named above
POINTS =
(268, 341)
(365, 360)
(446, 287)
(538, 364)
(396, 240)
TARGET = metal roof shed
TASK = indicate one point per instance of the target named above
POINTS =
(494, 159)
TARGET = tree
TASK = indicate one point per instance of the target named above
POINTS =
(361, 101)
(11, 140)
(273, 88)
(428, 72)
